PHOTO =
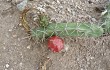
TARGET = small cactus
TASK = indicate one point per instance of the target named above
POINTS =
(43, 20)
(68, 29)
(72, 29)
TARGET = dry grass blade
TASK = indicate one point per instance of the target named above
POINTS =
(24, 21)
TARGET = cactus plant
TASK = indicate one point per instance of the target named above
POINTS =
(68, 29)
(72, 29)
(43, 20)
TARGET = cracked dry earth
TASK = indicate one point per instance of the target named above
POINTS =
(17, 52)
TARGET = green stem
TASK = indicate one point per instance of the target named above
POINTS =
(69, 29)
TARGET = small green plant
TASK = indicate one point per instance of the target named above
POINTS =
(43, 20)
(106, 20)
(71, 29)
(68, 29)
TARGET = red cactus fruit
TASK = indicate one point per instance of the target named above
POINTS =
(55, 43)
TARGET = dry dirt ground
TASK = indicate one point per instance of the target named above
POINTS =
(17, 52)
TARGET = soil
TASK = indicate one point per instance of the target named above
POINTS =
(19, 52)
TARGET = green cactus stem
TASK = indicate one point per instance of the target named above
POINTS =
(68, 29)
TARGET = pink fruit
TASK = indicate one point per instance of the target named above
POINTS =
(55, 43)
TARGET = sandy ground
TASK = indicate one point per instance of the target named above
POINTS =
(18, 52)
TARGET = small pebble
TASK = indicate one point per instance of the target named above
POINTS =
(14, 36)
(92, 57)
(10, 30)
(21, 64)
(69, 10)
(8, 0)
(41, 9)
(4, 48)
(20, 24)
(21, 6)
(28, 47)
(19, 39)
(66, 48)
(7, 65)
(58, 2)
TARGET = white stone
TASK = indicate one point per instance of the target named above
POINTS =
(66, 47)
(7, 65)
(28, 47)
(21, 64)
(41, 9)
